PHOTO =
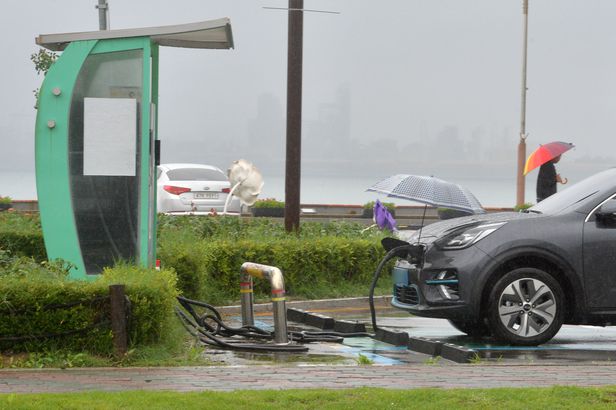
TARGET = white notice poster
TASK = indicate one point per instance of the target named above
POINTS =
(110, 136)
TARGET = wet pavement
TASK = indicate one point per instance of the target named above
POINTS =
(573, 344)
(332, 366)
(276, 377)
(577, 356)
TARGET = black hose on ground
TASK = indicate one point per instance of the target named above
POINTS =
(210, 329)
(395, 252)
(201, 326)
(211, 339)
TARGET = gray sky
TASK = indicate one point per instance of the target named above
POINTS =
(419, 74)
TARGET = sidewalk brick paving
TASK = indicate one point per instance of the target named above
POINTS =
(301, 377)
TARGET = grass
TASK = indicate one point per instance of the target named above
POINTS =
(364, 360)
(177, 349)
(433, 360)
(19, 222)
(362, 398)
(476, 359)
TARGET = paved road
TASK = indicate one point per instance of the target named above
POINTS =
(276, 377)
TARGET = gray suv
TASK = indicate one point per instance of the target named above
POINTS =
(518, 276)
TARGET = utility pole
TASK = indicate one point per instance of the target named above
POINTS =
(522, 144)
(294, 115)
(103, 14)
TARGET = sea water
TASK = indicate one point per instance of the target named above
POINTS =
(345, 190)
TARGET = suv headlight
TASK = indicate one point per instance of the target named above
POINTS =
(466, 237)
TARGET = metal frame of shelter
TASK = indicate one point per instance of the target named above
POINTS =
(96, 133)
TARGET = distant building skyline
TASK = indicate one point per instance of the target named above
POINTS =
(329, 148)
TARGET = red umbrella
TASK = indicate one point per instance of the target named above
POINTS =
(545, 153)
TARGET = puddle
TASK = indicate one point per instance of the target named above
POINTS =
(573, 344)
(318, 353)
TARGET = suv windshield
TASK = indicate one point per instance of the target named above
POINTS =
(577, 193)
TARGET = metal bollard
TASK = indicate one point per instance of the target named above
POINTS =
(274, 275)
(248, 317)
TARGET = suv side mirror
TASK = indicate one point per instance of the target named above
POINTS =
(606, 214)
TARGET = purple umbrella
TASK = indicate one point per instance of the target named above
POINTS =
(382, 217)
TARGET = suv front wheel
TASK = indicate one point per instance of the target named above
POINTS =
(526, 307)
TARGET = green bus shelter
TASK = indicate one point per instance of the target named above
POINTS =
(97, 145)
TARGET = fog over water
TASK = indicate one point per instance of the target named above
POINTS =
(315, 189)
(429, 87)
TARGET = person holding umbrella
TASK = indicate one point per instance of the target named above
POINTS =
(545, 157)
(547, 179)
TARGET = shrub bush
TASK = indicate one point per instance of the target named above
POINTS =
(391, 207)
(519, 208)
(152, 296)
(21, 235)
(368, 209)
(315, 264)
(38, 299)
(322, 260)
(268, 203)
(257, 228)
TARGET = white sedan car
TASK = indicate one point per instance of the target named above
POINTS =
(193, 188)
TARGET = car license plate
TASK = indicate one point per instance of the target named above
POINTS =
(206, 195)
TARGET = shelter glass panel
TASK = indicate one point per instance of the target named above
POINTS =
(106, 203)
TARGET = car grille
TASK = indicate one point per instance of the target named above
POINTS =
(406, 294)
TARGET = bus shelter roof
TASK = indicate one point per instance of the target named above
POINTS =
(203, 34)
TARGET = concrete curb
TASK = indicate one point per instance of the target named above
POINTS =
(425, 346)
(458, 354)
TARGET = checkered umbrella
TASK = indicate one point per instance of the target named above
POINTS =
(428, 190)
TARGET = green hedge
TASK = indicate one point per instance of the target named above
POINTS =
(314, 267)
(21, 235)
(29, 290)
(232, 228)
(268, 203)
(322, 260)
